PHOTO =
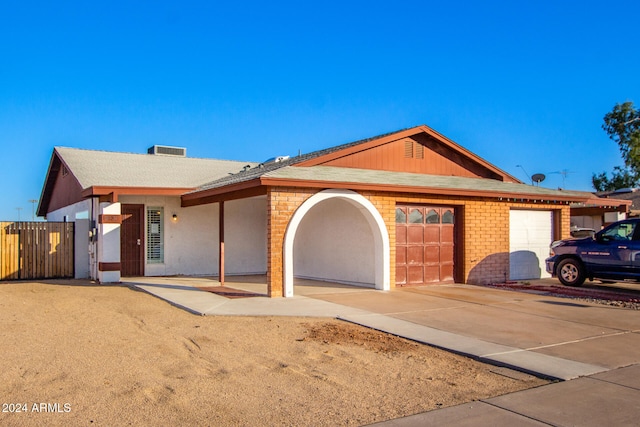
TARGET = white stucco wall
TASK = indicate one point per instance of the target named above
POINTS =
(246, 236)
(109, 243)
(191, 242)
(78, 213)
(335, 242)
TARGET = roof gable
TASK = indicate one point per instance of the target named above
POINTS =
(415, 150)
(61, 188)
(388, 152)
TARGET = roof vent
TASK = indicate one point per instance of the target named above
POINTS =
(167, 151)
(277, 159)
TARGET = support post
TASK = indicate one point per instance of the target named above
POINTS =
(221, 249)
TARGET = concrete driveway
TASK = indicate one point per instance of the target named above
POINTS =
(570, 329)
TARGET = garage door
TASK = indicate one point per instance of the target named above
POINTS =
(424, 244)
(530, 234)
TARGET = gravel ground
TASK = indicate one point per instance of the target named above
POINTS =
(625, 295)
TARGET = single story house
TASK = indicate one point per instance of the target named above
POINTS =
(406, 208)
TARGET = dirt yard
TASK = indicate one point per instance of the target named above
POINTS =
(77, 354)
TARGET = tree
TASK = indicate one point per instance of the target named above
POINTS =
(621, 179)
(622, 125)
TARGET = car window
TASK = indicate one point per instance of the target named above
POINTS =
(622, 231)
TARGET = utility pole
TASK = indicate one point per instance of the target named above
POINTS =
(18, 209)
(33, 208)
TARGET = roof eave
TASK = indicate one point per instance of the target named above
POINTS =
(282, 182)
(248, 188)
(114, 192)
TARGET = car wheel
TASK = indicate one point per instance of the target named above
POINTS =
(570, 272)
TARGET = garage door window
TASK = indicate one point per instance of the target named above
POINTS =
(433, 217)
(447, 217)
(415, 217)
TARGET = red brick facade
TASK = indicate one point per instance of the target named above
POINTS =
(482, 239)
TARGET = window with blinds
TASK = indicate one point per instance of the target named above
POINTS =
(155, 233)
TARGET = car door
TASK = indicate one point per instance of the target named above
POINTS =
(615, 250)
(635, 254)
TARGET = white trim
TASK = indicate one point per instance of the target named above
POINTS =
(375, 220)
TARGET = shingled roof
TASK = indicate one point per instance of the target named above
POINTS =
(114, 169)
(196, 179)
(106, 170)
(414, 180)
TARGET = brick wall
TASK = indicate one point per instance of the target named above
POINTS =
(281, 205)
(482, 239)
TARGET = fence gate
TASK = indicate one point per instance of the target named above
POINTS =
(36, 250)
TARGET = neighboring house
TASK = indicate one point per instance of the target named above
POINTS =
(596, 218)
(406, 208)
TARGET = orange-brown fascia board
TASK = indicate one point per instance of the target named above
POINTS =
(405, 134)
(132, 191)
(249, 188)
(605, 202)
(258, 187)
(285, 182)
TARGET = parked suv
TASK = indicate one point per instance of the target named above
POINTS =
(611, 254)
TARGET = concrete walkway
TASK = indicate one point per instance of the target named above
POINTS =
(595, 346)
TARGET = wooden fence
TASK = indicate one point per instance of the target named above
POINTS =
(36, 250)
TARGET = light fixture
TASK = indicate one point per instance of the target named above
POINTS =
(174, 217)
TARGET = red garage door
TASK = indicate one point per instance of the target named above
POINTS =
(424, 244)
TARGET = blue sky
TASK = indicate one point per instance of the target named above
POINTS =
(516, 82)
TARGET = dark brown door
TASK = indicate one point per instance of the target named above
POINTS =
(132, 241)
(424, 244)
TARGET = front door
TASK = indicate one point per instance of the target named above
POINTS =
(132, 241)
(424, 244)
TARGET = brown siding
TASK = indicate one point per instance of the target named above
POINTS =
(418, 154)
(66, 191)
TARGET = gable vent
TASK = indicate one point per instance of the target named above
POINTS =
(413, 149)
(408, 148)
(167, 151)
(419, 154)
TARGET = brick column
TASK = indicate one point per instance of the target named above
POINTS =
(281, 204)
(486, 242)
(385, 203)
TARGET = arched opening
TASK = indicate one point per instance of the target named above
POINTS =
(371, 227)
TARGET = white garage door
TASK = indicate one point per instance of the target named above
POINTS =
(530, 234)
